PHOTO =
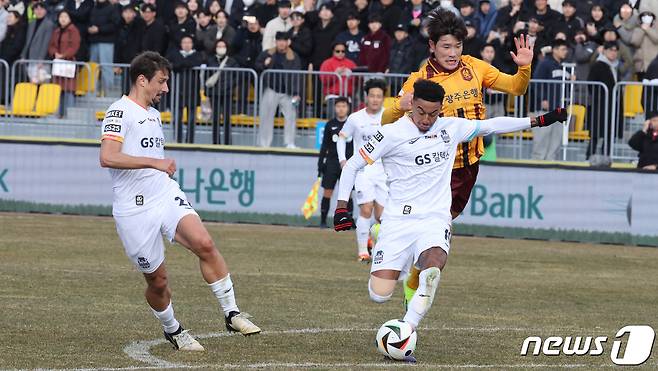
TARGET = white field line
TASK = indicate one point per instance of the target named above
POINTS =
(141, 351)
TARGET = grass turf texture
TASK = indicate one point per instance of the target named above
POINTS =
(70, 298)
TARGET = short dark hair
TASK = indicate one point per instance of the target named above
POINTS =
(444, 22)
(428, 90)
(336, 43)
(375, 83)
(149, 7)
(487, 44)
(556, 43)
(342, 99)
(147, 64)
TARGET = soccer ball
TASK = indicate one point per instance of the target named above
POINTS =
(396, 339)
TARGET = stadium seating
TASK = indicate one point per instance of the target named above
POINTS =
(47, 100)
(633, 100)
(25, 94)
(87, 78)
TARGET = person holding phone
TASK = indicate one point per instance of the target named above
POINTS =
(645, 141)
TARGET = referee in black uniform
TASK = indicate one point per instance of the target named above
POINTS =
(328, 165)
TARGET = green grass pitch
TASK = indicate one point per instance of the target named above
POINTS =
(69, 298)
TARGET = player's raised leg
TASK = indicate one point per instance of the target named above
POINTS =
(431, 262)
(158, 296)
(193, 235)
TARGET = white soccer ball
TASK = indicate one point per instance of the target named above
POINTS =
(396, 339)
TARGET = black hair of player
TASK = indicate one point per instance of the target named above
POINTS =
(342, 99)
(375, 83)
(148, 64)
(428, 91)
(444, 22)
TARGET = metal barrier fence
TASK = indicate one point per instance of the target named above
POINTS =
(588, 104)
(356, 93)
(225, 99)
(4, 87)
(47, 88)
(631, 101)
(302, 97)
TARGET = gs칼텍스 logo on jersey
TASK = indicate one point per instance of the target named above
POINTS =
(114, 113)
(152, 142)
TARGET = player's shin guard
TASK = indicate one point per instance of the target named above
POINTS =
(167, 319)
(362, 232)
(422, 300)
(223, 290)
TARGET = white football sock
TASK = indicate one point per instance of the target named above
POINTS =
(362, 233)
(223, 290)
(422, 300)
(166, 318)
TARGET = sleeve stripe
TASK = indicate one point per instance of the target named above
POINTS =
(365, 157)
(475, 132)
(112, 137)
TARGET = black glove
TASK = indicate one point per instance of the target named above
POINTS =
(343, 220)
(557, 115)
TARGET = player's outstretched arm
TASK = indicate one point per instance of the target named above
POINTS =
(112, 157)
(501, 125)
(343, 221)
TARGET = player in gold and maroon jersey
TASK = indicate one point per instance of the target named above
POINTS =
(463, 78)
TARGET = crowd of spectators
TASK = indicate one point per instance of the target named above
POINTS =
(330, 35)
(378, 35)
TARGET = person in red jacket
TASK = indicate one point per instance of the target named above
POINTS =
(375, 47)
(331, 85)
(64, 44)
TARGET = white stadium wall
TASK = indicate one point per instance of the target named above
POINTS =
(555, 200)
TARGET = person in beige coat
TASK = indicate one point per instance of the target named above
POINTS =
(645, 39)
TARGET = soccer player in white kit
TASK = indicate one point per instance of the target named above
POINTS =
(148, 203)
(370, 185)
(418, 152)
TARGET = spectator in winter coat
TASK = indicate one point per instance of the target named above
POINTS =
(64, 44)
(543, 12)
(219, 89)
(645, 39)
(509, 15)
(645, 142)
(363, 12)
(625, 21)
(38, 36)
(582, 54)
(352, 37)
(248, 43)
(224, 30)
(301, 39)
(279, 91)
(597, 22)
(413, 14)
(486, 14)
(103, 26)
(389, 13)
(569, 22)
(183, 61)
(183, 25)
(279, 24)
(10, 48)
(155, 32)
(625, 54)
(129, 40)
(472, 44)
(468, 14)
(324, 30)
(402, 58)
(331, 86)
(206, 32)
(605, 70)
(79, 10)
(376, 47)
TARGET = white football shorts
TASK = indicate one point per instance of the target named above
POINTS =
(142, 233)
(371, 186)
(402, 239)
